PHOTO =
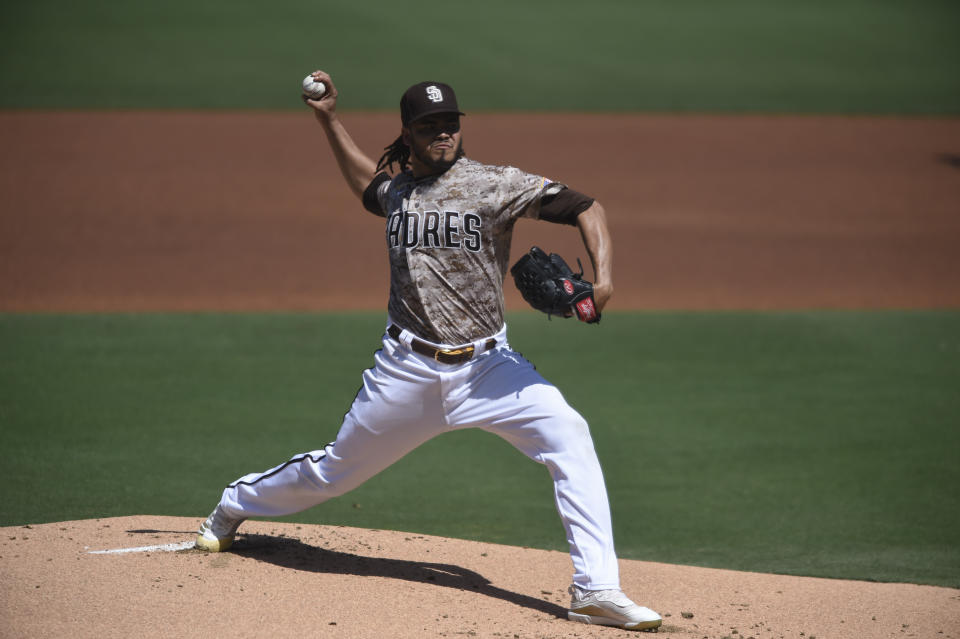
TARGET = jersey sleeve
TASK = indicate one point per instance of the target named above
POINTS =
(562, 205)
(540, 198)
(375, 193)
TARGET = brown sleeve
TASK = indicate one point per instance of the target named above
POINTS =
(563, 206)
(371, 197)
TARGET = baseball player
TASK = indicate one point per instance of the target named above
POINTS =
(445, 362)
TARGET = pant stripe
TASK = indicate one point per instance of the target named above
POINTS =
(278, 469)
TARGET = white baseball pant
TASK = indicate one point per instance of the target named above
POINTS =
(407, 399)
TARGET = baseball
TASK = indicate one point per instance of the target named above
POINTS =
(313, 89)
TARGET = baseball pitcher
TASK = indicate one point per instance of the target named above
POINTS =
(445, 362)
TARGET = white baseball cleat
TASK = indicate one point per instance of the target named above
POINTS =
(610, 608)
(218, 531)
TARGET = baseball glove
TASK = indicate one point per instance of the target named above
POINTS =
(548, 285)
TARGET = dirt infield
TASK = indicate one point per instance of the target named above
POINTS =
(247, 211)
(293, 580)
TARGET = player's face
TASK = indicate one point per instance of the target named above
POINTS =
(434, 142)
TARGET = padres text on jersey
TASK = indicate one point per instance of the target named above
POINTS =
(448, 238)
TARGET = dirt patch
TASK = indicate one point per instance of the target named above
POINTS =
(247, 211)
(283, 580)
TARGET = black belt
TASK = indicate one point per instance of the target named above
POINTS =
(442, 355)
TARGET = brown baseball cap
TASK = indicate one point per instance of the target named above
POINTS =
(427, 98)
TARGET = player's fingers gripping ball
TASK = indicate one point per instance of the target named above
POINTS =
(312, 88)
(550, 286)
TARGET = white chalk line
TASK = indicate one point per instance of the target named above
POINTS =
(161, 548)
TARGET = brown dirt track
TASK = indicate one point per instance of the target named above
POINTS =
(246, 211)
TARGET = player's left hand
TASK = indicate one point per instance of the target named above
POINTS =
(549, 285)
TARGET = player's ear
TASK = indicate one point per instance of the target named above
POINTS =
(405, 135)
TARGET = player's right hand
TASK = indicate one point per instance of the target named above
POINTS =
(326, 106)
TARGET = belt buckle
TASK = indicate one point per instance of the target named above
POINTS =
(453, 353)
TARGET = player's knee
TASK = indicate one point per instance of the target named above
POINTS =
(570, 429)
(577, 425)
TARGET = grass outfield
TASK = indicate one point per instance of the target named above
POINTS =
(820, 443)
(842, 56)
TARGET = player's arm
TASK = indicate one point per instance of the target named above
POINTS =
(357, 168)
(596, 238)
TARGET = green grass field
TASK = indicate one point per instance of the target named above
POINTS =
(820, 443)
(844, 56)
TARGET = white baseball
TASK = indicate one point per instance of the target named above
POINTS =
(313, 89)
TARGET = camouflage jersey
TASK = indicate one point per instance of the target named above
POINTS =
(448, 238)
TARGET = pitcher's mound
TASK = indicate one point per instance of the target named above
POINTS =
(297, 580)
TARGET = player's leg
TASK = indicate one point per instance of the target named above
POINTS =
(390, 416)
(510, 398)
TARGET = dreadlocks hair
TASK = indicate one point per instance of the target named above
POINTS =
(396, 153)
(399, 153)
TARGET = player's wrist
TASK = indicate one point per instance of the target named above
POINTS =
(602, 292)
(325, 117)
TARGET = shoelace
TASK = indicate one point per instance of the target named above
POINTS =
(613, 596)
